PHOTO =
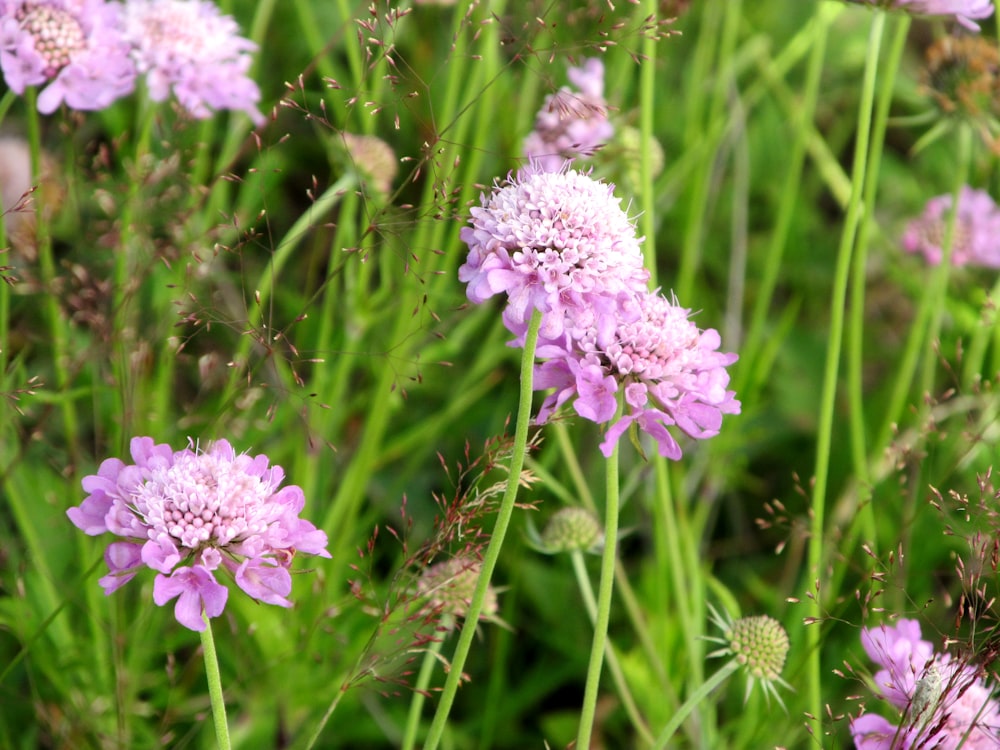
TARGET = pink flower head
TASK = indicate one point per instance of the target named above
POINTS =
(943, 703)
(670, 373)
(571, 123)
(188, 513)
(190, 48)
(976, 239)
(550, 241)
(963, 10)
(72, 48)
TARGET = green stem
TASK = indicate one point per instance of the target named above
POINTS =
(647, 98)
(828, 394)
(856, 325)
(696, 697)
(614, 666)
(604, 592)
(326, 716)
(927, 320)
(432, 655)
(790, 195)
(504, 514)
(939, 281)
(47, 268)
(215, 685)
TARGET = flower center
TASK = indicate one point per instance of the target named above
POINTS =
(57, 34)
(201, 501)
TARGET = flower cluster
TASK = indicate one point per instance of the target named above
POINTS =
(943, 702)
(189, 513)
(964, 11)
(559, 243)
(976, 236)
(88, 53)
(571, 123)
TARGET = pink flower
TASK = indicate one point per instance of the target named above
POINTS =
(963, 10)
(669, 372)
(571, 123)
(188, 513)
(72, 48)
(976, 239)
(943, 703)
(550, 241)
(190, 48)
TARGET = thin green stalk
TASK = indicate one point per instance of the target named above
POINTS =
(125, 280)
(604, 592)
(215, 685)
(939, 280)
(432, 655)
(975, 355)
(614, 666)
(47, 267)
(700, 193)
(828, 395)
(647, 99)
(689, 705)
(680, 546)
(314, 737)
(633, 609)
(750, 351)
(857, 317)
(504, 514)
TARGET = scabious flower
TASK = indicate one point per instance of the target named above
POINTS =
(571, 123)
(571, 529)
(72, 49)
(671, 373)
(976, 238)
(190, 48)
(943, 702)
(189, 513)
(449, 585)
(759, 644)
(550, 241)
(963, 10)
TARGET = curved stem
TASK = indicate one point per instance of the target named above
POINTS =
(828, 396)
(604, 592)
(696, 697)
(432, 654)
(504, 514)
(215, 685)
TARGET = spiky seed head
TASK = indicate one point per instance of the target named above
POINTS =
(572, 529)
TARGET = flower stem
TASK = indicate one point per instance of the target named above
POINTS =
(47, 268)
(496, 539)
(696, 697)
(214, 685)
(431, 657)
(829, 392)
(614, 666)
(604, 592)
